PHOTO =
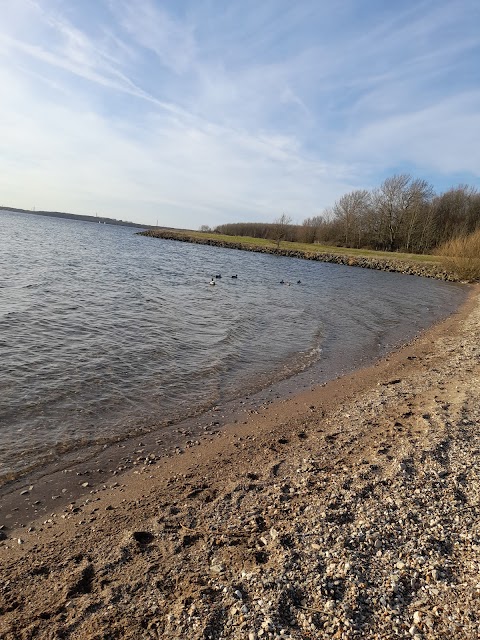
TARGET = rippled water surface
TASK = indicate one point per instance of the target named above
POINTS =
(105, 333)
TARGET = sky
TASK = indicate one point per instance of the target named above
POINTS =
(204, 112)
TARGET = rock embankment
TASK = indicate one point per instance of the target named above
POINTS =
(380, 264)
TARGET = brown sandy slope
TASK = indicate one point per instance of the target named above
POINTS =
(349, 511)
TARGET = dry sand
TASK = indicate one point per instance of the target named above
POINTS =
(348, 511)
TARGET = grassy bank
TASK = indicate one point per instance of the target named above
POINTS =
(414, 264)
(319, 249)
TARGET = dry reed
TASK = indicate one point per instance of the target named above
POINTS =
(461, 255)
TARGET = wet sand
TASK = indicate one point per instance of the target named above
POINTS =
(234, 533)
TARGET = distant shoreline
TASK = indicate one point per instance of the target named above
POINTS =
(76, 216)
(393, 264)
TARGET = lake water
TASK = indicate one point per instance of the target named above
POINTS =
(104, 333)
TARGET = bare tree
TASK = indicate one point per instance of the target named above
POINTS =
(397, 203)
(280, 228)
(419, 197)
(456, 212)
(351, 210)
(309, 231)
(205, 228)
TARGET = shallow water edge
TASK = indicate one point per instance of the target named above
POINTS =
(96, 468)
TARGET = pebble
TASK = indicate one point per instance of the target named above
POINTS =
(216, 568)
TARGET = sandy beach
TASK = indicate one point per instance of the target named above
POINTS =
(347, 511)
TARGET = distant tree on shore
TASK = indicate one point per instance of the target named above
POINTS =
(402, 214)
(352, 211)
(280, 228)
(398, 203)
(263, 230)
(455, 212)
(311, 229)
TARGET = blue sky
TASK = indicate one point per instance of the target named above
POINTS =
(196, 112)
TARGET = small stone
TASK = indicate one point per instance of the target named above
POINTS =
(85, 484)
(400, 565)
(216, 568)
(417, 617)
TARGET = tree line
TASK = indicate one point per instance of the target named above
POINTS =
(402, 214)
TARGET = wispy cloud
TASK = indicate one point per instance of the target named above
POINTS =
(444, 137)
(151, 27)
(201, 112)
(66, 48)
